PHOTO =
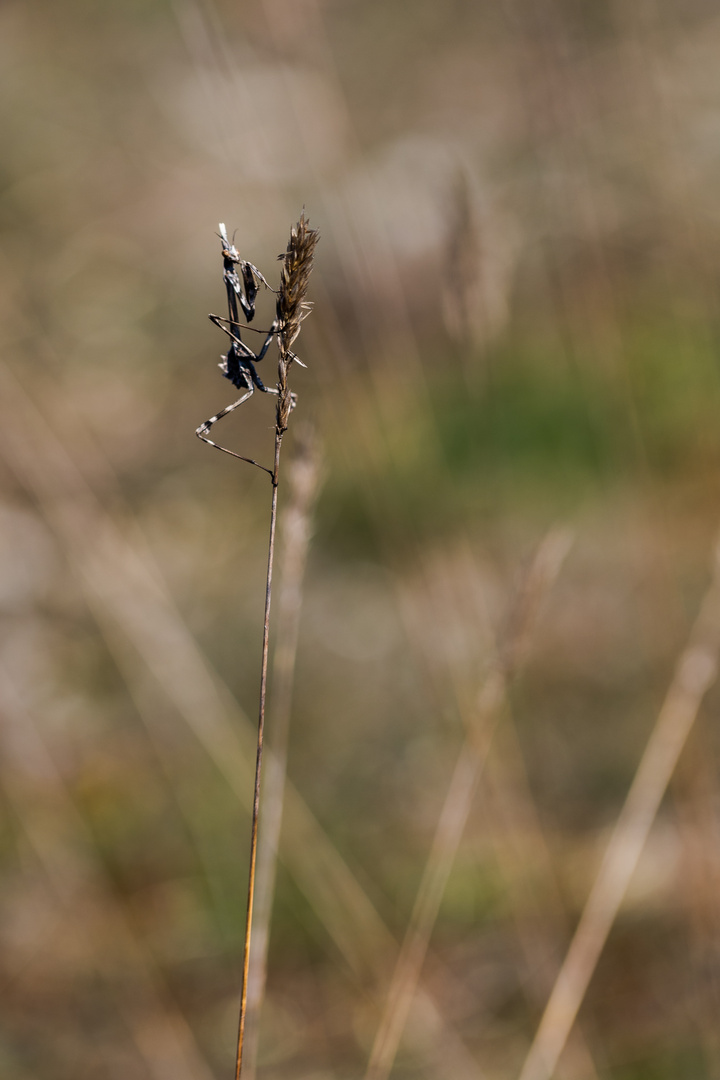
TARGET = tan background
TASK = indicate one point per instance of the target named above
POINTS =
(515, 331)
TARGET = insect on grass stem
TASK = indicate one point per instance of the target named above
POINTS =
(239, 367)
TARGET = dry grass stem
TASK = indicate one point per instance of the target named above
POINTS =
(291, 310)
(695, 672)
(480, 728)
(303, 486)
(696, 799)
(523, 859)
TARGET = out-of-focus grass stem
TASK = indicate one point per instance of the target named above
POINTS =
(458, 800)
(695, 673)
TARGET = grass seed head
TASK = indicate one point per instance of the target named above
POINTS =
(297, 262)
(292, 308)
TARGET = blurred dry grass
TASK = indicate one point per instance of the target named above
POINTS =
(516, 325)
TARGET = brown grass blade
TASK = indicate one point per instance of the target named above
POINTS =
(695, 672)
(522, 856)
(480, 728)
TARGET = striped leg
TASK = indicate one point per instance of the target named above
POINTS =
(203, 430)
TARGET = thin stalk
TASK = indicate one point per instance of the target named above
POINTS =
(695, 673)
(295, 531)
(258, 757)
(292, 309)
(481, 722)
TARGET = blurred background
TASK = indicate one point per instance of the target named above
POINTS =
(513, 376)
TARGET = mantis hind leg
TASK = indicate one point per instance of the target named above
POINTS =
(204, 429)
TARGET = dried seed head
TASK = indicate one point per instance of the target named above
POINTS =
(292, 307)
(297, 262)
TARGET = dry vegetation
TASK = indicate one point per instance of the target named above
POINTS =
(502, 701)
